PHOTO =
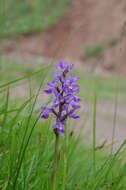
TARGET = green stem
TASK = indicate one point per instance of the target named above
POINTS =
(65, 168)
(55, 162)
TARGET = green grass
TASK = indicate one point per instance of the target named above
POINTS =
(27, 16)
(96, 50)
(27, 142)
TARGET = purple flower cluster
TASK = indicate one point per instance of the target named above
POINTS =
(64, 87)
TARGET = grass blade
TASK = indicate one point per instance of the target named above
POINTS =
(23, 78)
(94, 132)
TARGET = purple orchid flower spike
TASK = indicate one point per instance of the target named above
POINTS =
(65, 89)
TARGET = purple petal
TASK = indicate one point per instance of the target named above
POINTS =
(51, 84)
(71, 66)
(61, 130)
(73, 79)
(48, 91)
(58, 68)
(46, 113)
(71, 112)
(75, 85)
(65, 107)
(64, 122)
(56, 75)
(75, 106)
(76, 91)
(63, 65)
(74, 116)
(56, 103)
(76, 99)
(76, 78)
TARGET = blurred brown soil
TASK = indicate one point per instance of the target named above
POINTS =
(86, 22)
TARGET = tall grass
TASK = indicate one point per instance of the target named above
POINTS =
(27, 149)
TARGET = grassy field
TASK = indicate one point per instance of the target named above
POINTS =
(26, 16)
(27, 143)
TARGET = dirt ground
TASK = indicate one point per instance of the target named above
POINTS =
(86, 22)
